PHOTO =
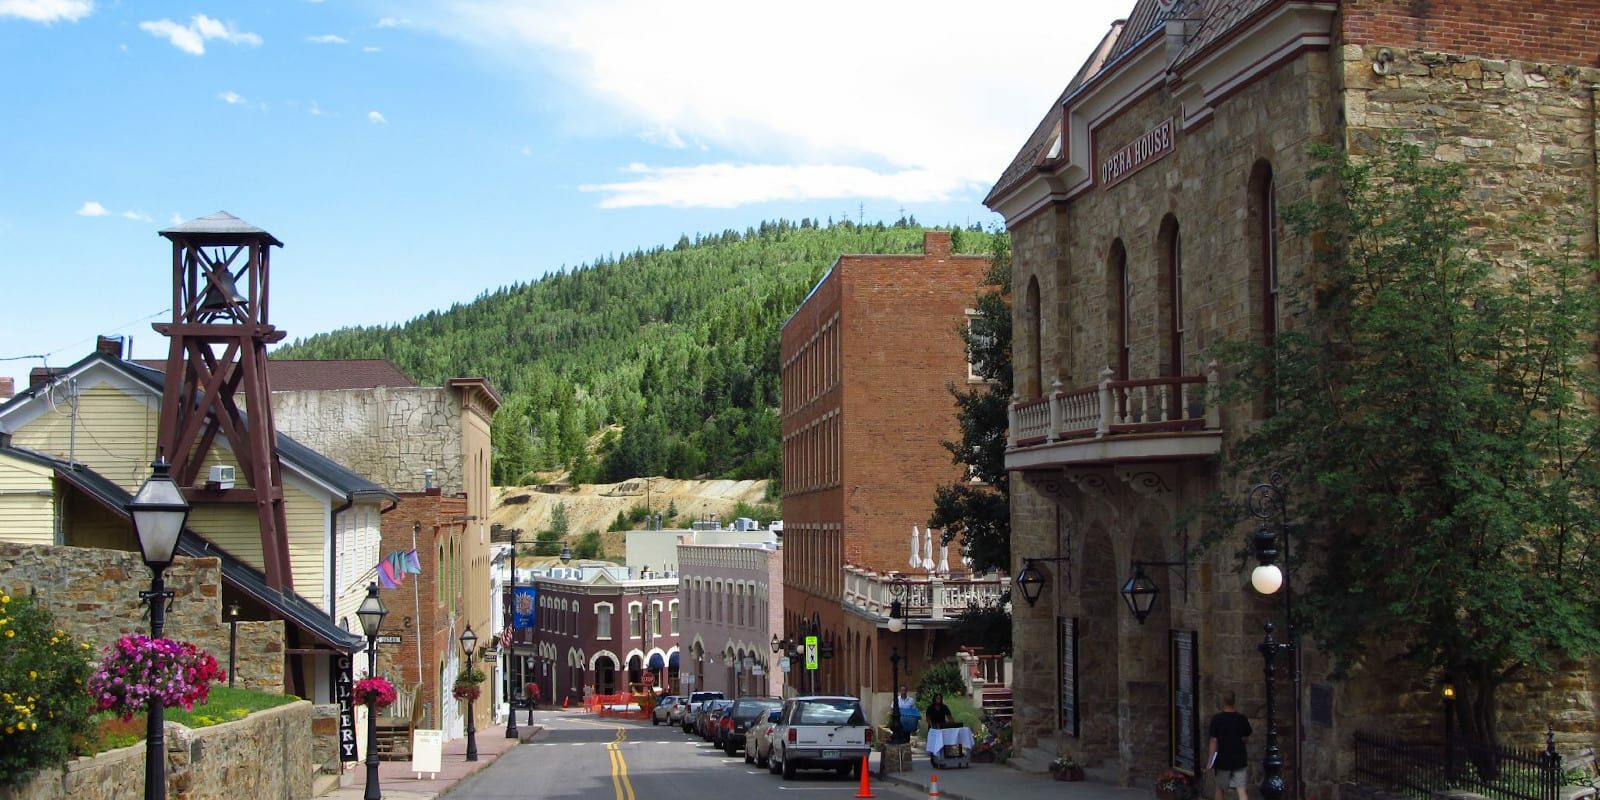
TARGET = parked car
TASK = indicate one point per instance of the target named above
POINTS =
(820, 732)
(758, 738)
(697, 704)
(706, 724)
(663, 710)
(675, 715)
(745, 713)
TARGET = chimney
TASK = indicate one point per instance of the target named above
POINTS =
(8, 387)
(109, 346)
(39, 376)
(936, 243)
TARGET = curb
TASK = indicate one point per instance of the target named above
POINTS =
(922, 786)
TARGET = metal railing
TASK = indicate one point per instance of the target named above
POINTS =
(1424, 768)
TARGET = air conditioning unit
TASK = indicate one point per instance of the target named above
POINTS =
(221, 476)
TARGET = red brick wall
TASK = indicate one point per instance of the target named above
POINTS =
(1556, 31)
(425, 625)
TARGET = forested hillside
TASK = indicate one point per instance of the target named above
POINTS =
(675, 348)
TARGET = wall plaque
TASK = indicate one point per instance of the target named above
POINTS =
(1148, 148)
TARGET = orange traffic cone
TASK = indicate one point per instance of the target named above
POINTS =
(566, 702)
(866, 785)
(933, 787)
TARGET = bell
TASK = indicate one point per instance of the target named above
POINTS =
(218, 299)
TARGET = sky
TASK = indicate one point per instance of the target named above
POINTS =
(415, 154)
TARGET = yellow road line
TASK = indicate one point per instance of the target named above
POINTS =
(619, 766)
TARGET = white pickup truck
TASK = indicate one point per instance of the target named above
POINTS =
(820, 732)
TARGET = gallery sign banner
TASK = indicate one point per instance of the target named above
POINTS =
(1150, 147)
(344, 693)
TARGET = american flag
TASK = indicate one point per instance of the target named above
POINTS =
(505, 638)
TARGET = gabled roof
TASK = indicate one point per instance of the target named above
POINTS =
(235, 572)
(218, 225)
(336, 477)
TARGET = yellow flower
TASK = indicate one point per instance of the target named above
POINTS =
(10, 730)
(33, 675)
(10, 634)
(5, 598)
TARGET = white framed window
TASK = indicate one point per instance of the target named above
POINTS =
(635, 620)
(672, 609)
(602, 619)
(655, 619)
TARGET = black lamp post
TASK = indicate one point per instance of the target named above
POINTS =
(158, 512)
(898, 589)
(1448, 692)
(233, 640)
(371, 614)
(1266, 502)
(512, 682)
(469, 642)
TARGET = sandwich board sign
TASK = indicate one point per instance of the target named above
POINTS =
(427, 752)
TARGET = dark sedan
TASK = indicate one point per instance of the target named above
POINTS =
(706, 723)
(736, 723)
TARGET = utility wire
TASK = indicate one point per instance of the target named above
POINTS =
(88, 339)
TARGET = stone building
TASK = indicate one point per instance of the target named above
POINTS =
(867, 361)
(1144, 215)
(431, 445)
(732, 612)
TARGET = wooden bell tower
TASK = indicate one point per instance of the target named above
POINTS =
(216, 374)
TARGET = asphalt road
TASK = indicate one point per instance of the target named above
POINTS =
(604, 759)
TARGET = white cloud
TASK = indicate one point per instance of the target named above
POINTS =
(941, 99)
(232, 98)
(394, 22)
(376, 118)
(314, 109)
(192, 38)
(92, 209)
(326, 38)
(47, 11)
(137, 216)
(175, 219)
(370, 49)
(527, 151)
(730, 185)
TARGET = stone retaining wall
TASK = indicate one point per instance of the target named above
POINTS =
(94, 596)
(265, 755)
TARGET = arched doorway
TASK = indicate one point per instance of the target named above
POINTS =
(605, 674)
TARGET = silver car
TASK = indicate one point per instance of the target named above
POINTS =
(758, 740)
(663, 710)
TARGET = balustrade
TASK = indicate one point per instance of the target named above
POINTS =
(1174, 403)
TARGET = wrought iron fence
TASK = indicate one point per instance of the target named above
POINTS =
(1422, 768)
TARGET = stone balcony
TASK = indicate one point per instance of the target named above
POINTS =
(1167, 418)
(931, 600)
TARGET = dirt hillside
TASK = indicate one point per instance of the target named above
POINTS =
(593, 507)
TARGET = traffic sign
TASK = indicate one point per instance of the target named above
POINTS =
(811, 652)
(783, 664)
(649, 678)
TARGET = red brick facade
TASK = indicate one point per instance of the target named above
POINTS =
(1558, 31)
(867, 360)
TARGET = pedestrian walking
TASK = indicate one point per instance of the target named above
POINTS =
(1228, 759)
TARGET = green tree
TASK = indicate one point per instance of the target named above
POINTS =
(558, 521)
(979, 510)
(44, 709)
(589, 546)
(1434, 421)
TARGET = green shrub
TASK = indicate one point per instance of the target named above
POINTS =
(941, 678)
(44, 709)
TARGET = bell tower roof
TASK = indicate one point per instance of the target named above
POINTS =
(220, 225)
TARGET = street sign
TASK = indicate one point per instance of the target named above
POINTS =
(783, 665)
(811, 652)
(649, 678)
(389, 639)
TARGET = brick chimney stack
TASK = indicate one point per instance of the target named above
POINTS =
(936, 243)
(109, 345)
(8, 388)
(39, 376)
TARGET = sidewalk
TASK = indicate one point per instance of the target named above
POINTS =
(989, 781)
(397, 782)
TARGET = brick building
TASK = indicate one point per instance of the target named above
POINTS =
(1144, 215)
(732, 607)
(596, 627)
(867, 360)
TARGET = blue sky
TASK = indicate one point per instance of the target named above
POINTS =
(412, 155)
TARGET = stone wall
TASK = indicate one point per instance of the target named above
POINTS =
(389, 435)
(265, 755)
(94, 596)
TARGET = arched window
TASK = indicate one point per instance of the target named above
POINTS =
(1264, 236)
(1121, 305)
(1170, 246)
(602, 620)
(1035, 334)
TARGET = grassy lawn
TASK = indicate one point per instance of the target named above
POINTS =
(223, 705)
(964, 712)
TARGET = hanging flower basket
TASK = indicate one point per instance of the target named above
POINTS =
(378, 691)
(1174, 785)
(466, 691)
(1065, 769)
(137, 669)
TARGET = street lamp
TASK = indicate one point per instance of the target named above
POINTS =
(233, 640)
(1266, 502)
(1030, 580)
(898, 589)
(371, 614)
(469, 642)
(511, 622)
(158, 512)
